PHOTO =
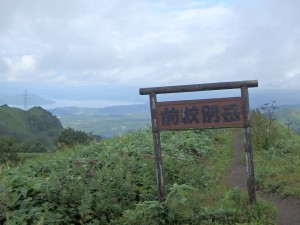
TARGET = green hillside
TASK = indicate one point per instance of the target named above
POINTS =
(35, 124)
(113, 182)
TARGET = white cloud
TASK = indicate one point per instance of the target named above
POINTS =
(19, 67)
(150, 42)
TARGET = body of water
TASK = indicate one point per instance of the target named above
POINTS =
(83, 103)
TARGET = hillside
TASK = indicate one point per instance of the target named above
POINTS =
(113, 182)
(34, 124)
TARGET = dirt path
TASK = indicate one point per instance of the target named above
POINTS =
(288, 209)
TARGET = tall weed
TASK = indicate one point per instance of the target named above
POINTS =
(277, 157)
(113, 182)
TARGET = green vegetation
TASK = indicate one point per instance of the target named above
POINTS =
(8, 149)
(277, 156)
(113, 182)
(69, 137)
(36, 126)
(33, 131)
(11, 149)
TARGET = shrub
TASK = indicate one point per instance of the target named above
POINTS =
(8, 148)
(70, 137)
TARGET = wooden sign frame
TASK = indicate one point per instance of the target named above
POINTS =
(208, 113)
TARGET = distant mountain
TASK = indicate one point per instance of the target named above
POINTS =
(32, 100)
(34, 124)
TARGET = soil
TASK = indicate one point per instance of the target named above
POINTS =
(288, 209)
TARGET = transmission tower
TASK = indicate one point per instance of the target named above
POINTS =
(25, 100)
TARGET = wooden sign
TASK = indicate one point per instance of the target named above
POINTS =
(192, 114)
(195, 114)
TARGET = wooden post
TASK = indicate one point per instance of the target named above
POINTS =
(157, 148)
(248, 147)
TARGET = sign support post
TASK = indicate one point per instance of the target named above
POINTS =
(207, 113)
(248, 147)
(157, 148)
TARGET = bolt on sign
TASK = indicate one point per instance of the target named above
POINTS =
(205, 113)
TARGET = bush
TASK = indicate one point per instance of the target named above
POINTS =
(266, 136)
(69, 137)
(8, 148)
(277, 156)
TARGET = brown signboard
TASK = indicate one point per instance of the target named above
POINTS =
(191, 114)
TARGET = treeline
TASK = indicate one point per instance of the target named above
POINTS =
(11, 147)
(70, 137)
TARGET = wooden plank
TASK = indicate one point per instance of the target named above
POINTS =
(198, 87)
(248, 148)
(207, 113)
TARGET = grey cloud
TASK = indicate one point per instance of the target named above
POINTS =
(152, 42)
(264, 44)
(79, 58)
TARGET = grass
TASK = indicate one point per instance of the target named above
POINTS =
(276, 158)
(113, 182)
(278, 173)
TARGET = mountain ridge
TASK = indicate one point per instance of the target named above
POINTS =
(35, 124)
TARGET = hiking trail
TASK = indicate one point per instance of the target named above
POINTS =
(288, 209)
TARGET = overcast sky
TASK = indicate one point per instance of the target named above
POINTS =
(142, 43)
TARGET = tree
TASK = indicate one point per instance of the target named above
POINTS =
(70, 137)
